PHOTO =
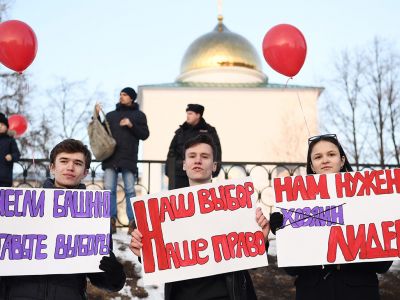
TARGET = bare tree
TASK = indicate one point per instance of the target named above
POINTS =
(5, 6)
(73, 108)
(392, 95)
(14, 89)
(375, 77)
(344, 110)
(366, 98)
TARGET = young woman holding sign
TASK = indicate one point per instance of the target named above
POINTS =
(335, 282)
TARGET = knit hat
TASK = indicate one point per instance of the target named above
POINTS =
(197, 108)
(130, 92)
(3, 119)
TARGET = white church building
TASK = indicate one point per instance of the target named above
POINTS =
(256, 121)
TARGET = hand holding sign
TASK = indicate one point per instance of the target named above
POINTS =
(263, 222)
(113, 269)
(136, 242)
(199, 231)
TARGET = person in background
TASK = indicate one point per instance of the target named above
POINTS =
(193, 126)
(128, 126)
(9, 153)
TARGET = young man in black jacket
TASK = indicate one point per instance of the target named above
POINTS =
(128, 126)
(69, 164)
(199, 164)
(9, 153)
(194, 125)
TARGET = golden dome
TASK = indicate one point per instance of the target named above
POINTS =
(220, 48)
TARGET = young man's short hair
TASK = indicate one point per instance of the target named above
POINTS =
(71, 146)
(201, 139)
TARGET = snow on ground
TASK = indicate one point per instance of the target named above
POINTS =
(122, 251)
(121, 242)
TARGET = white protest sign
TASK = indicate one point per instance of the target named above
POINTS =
(339, 218)
(53, 231)
(199, 231)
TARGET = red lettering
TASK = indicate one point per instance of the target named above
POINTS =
(183, 255)
(393, 180)
(206, 205)
(233, 239)
(171, 254)
(372, 238)
(219, 203)
(179, 207)
(235, 245)
(344, 185)
(149, 235)
(366, 245)
(209, 200)
(314, 188)
(165, 207)
(220, 247)
(299, 187)
(246, 201)
(201, 245)
(355, 243)
(388, 236)
(255, 243)
(231, 201)
(285, 187)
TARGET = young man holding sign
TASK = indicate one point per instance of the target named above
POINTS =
(199, 164)
(69, 163)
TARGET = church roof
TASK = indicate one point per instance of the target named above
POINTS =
(220, 48)
(264, 85)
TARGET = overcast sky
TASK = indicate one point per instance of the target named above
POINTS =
(120, 43)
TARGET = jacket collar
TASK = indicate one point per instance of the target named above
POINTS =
(201, 125)
(121, 107)
(49, 184)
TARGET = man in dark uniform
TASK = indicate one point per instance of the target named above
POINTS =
(194, 125)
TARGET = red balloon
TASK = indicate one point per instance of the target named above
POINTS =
(18, 124)
(285, 49)
(18, 45)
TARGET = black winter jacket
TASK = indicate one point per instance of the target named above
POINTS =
(239, 285)
(7, 146)
(55, 286)
(339, 282)
(176, 155)
(126, 152)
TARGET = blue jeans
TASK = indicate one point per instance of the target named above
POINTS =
(110, 183)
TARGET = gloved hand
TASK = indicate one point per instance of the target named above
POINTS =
(275, 221)
(113, 269)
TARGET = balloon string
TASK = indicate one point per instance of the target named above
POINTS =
(288, 81)
(301, 106)
(302, 111)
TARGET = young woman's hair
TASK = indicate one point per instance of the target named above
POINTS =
(201, 139)
(332, 139)
(71, 146)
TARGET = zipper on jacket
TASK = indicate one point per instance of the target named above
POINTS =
(233, 286)
(46, 290)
